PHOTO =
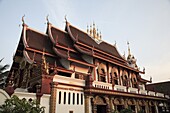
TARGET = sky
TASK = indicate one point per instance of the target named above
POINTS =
(144, 23)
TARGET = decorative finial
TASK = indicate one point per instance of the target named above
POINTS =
(144, 69)
(23, 19)
(87, 29)
(47, 18)
(128, 48)
(150, 79)
(45, 65)
(90, 30)
(94, 30)
(100, 35)
(115, 44)
(65, 18)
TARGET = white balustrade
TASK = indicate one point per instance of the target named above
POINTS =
(120, 88)
(160, 94)
(132, 90)
(143, 92)
(151, 93)
(102, 85)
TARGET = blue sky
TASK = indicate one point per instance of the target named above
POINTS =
(144, 23)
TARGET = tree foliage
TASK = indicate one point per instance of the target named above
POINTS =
(16, 105)
(126, 110)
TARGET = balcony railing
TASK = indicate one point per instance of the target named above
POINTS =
(102, 85)
(143, 92)
(120, 88)
(132, 90)
(151, 93)
(160, 94)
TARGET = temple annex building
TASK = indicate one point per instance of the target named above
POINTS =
(72, 71)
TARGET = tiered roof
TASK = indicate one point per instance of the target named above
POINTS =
(70, 44)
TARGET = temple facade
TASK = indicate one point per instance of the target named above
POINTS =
(81, 73)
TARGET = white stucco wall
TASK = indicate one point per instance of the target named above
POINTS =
(65, 108)
(45, 99)
(3, 96)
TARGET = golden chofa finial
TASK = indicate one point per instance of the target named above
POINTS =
(47, 18)
(65, 17)
(23, 19)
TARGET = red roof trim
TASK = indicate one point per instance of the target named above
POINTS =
(69, 31)
(50, 34)
(59, 53)
(82, 51)
(24, 35)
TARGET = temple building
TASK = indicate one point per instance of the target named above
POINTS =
(80, 72)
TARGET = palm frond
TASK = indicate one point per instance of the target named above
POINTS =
(1, 59)
(3, 67)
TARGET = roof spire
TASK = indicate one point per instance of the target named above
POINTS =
(115, 44)
(87, 29)
(94, 30)
(128, 48)
(90, 30)
(100, 35)
(23, 19)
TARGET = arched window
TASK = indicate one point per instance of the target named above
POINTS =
(134, 81)
(102, 72)
(115, 75)
(125, 78)
(115, 78)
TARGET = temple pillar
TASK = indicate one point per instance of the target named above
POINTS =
(94, 73)
(137, 106)
(107, 104)
(53, 97)
(24, 81)
(126, 103)
(120, 74)
(156, 107)
(111, 105)
(147, 109)
(94, 108)
(87, 104)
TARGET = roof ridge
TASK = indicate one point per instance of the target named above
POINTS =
(37, 31)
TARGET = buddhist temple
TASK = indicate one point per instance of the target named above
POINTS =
(80, 72)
